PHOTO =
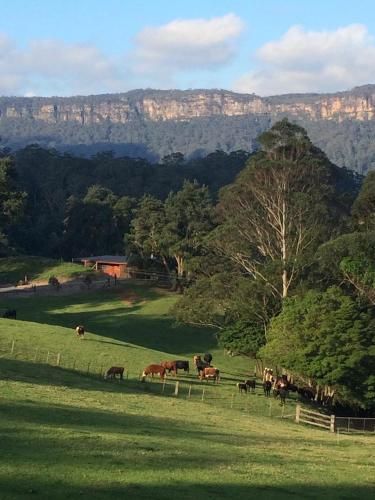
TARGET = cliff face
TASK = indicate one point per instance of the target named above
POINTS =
(358, 104)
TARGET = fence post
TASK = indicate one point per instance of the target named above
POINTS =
(332, 424)
(58, 359)
(47, 357)
(204, 389)
(163, 387)
(88, 367)
(176, 388)
(189, 391)
(298, 413)
(231, 403)
(36, 354)
(12, 348)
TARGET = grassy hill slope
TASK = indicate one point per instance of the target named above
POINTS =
(14, 269)
(69, 434)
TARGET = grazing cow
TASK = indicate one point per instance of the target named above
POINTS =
(175, 366)
(153, 370)
(242, 387)
(80, 331)
(251, 384)
(169, 366)
(208, 358)
(280, 388)
(201, 365)
(10, 314)
(113, 371)
(182, 365)
(267, 388)
(197, 359)
(283, 393)
(210, 372)
(306, 393)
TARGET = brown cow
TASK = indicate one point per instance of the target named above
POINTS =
(153, 370)
(210, 372)
(113, 371)
(171, 366)
(174, 366)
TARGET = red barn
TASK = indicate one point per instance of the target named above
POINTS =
(113, 265)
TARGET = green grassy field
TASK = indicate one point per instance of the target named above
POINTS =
(14, 269)
(66, 433)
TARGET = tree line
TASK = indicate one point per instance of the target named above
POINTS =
(274, 250)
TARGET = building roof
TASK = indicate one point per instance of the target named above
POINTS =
(103, 259)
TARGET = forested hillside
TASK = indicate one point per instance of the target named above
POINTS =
(151, 124)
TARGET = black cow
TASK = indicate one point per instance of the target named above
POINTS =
(201, 365)
(251, 384)
(306, 393)
(283, 393)
(208, 358)
(10, 314)
(242, 387)
(182, 365)
(267, 388)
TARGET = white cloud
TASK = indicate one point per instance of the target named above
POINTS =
(184, 45)
(44, 65)
(313, 61)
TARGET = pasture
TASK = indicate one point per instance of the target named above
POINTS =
(14, 269)
(69, 434)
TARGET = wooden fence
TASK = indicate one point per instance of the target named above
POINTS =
(315, 418)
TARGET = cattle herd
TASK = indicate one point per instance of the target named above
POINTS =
(203, 367)
(279, 386)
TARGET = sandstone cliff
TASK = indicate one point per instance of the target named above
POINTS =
(151, 105)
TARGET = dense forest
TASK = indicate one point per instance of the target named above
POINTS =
(272, 250)
(348, 143)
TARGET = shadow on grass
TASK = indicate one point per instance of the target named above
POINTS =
(21, 488)
(125, 324)
(43, 374)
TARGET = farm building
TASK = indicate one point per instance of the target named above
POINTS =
(113, 265)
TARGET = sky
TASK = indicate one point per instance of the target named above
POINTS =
(268, 47)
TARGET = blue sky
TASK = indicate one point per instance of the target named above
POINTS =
(67, 47)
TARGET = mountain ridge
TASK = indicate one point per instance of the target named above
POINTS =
(161, 105)
(151, 123)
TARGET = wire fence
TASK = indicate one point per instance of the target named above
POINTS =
(190, 388)
(355, 425)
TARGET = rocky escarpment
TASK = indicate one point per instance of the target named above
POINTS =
(358, 104)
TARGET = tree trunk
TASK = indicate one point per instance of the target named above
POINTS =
(180, 265)
(165, 262)
(284, 251)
